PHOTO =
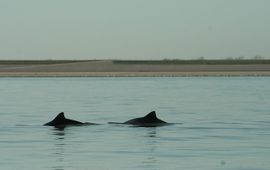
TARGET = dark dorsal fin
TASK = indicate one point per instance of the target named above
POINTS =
(151, 115)
(60, 116)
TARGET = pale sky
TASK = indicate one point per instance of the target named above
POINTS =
(134, 29)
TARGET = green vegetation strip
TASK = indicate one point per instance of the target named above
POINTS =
(39, 62)
(146, 62)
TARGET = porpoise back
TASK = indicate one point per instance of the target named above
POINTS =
(61, 120)
(150, 120)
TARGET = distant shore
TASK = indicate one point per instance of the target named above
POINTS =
(120, 68)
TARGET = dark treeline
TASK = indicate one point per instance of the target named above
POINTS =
(196, 61)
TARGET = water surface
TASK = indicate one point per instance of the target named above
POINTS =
(222, 123)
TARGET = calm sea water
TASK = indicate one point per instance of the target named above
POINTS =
(223, 123)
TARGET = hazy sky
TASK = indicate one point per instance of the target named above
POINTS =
(134, 29)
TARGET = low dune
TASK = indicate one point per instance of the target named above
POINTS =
(109, 68)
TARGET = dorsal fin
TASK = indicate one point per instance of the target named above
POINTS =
(60, 116)
(151, 115)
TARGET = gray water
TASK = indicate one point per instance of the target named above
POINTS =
(221, 123)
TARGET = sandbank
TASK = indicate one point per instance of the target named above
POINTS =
(107, 68)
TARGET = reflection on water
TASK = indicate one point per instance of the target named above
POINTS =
(145, 151)
(151, 132)
(59, 133)
(59, 148)
(149, 162)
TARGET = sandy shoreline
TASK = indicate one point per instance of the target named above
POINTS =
(133, 74)
(107, 68)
